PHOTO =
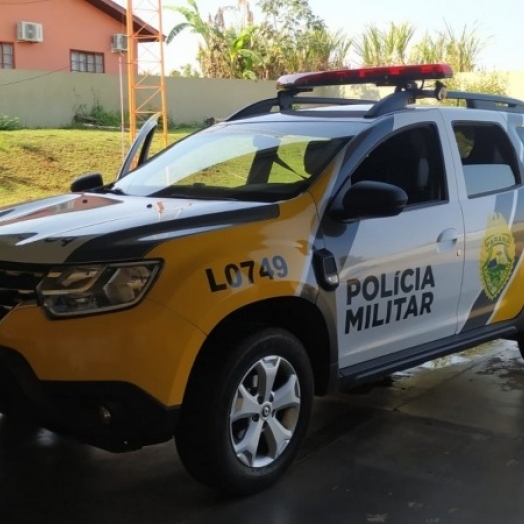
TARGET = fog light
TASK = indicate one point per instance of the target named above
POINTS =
(105, 415)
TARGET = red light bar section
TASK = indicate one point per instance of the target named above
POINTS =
(380, 76)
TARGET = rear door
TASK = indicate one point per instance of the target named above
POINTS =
(492, 196)
(400, 277)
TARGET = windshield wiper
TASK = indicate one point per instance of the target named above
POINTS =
(198, 192)
(196, 196)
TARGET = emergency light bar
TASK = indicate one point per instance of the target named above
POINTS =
(401, 75)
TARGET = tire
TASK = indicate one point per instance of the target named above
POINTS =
(246, 412)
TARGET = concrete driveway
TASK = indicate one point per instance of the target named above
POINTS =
(443, 443)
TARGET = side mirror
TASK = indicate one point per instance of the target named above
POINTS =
(369, 199)
(87, 182)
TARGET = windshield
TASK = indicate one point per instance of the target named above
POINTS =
(255, 161)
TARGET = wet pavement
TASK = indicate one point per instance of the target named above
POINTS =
(443, 443)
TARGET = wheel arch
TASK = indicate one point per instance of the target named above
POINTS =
(298, 316)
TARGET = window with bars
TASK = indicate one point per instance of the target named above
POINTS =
(85, 62)
(6, 56)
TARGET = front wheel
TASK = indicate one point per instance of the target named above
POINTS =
(246, 412)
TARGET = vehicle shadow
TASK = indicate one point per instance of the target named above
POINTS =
(46, 478)
(51, 479)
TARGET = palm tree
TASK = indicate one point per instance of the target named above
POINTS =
(226, 51)
(377, 47)
(369, 47)
(429, 50)
(320, 49)
(194, 22)
(462, 50)
(397, 41)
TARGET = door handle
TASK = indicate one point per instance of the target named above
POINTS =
(447, 240)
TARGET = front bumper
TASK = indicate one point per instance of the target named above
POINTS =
(115, 416)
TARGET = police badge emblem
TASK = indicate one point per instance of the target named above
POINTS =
(497, 256)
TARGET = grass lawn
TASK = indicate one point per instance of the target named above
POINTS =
(42, 162)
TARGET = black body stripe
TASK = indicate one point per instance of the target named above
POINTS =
(136, 242)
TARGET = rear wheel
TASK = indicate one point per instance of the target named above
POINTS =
(246, 412)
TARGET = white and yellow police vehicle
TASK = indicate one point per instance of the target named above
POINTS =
(303, 244)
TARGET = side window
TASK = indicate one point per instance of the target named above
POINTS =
(488, 158)
(411, 159)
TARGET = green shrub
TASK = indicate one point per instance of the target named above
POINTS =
(7, 123)
(97, 116)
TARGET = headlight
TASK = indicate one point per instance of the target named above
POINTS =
(97, 288)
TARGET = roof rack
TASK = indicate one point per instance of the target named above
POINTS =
(404, 78)
(285, 101)
(401, 98)
(489, 102)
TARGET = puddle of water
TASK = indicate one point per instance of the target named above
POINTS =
(495, 365)
(443, 362)
(469, 354)
(507, 370)
(504, 363)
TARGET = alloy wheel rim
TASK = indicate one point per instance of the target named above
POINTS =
(264, 411)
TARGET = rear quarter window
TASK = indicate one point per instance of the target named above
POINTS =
(488, 157)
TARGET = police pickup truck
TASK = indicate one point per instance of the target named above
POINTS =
(303, 244)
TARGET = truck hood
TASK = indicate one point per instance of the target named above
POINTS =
(90, 227)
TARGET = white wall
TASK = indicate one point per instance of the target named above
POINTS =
(50, 100)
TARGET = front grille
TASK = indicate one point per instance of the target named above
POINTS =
(18, 286)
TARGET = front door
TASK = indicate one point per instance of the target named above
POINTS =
(400, 277)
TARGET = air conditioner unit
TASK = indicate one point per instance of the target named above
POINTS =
(119, 43)
(29, 32)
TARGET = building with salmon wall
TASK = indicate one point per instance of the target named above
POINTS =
(66, 35)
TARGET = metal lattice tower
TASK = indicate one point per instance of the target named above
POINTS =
(147, 90)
